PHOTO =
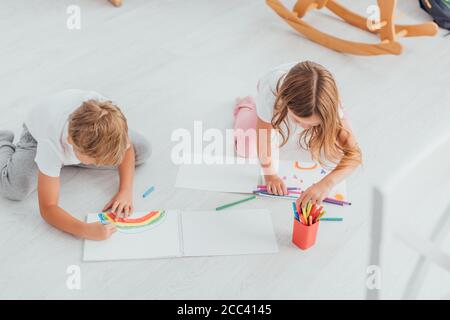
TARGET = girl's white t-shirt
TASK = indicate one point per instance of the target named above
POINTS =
(267, 88)
(48, 123)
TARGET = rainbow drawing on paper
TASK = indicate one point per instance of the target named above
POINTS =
(146, 222)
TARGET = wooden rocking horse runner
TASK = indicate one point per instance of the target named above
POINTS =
(387, 29)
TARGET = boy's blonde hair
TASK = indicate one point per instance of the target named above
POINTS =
(309, 89)
(99, 130)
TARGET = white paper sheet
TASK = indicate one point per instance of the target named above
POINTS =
(228, 232)
(157, 242)
(239, 178)
(196, 233)
(243, 178)
(305, 174)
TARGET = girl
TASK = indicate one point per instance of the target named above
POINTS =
(305, 94)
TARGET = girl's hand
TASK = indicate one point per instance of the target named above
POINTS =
(275, 185)
(121, 204)
(98, 231)
(316, 193)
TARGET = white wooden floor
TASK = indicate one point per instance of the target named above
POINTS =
(168, 63)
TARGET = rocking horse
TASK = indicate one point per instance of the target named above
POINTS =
(388, 31)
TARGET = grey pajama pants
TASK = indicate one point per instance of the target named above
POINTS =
(19, 171)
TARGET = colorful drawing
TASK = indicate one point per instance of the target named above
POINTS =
(146, 222)
(297, 166)
(339, 196)
(303, 174)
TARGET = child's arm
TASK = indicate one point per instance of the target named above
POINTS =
(122, 202)
(320, 190)
(263, 140)
(48, 194)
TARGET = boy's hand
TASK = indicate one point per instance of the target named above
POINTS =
(121, 204)
(316, 193)
(275, 185)
(98, 231)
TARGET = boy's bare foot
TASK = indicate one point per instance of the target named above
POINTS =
(116, 3)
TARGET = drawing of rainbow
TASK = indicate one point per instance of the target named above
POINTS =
(143, 222)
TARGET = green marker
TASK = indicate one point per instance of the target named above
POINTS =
(234, 203)
(331, 219)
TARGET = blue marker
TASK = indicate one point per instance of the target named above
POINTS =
(150, 190)
(294, 207)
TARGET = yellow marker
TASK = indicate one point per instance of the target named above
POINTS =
(321, 214)
(304, 214)
(309, 207)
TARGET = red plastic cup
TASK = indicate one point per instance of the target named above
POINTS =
(304, 236)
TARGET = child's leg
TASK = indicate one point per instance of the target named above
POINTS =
(17, 167)
(142, 151)
(245, 127)
(142, 147)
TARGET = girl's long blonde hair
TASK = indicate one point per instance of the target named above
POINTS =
(309, 89)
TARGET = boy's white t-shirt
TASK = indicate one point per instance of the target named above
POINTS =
(48, 123)
(267, 88)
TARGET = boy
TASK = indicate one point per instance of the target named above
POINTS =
(73, 127)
